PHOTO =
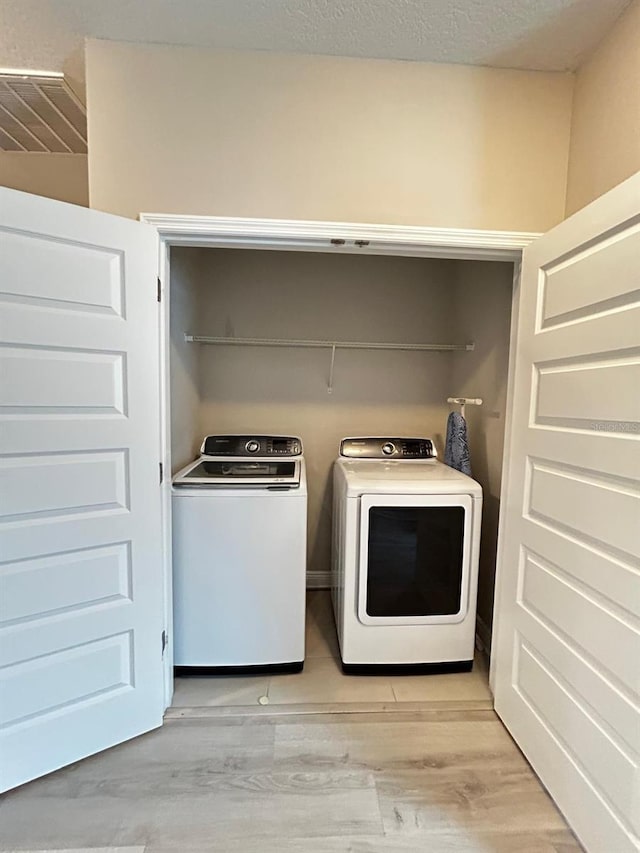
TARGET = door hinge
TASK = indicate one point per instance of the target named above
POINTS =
(161, 467)
(165, 641)
(159, 290)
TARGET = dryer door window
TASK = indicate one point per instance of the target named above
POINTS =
(414, 565)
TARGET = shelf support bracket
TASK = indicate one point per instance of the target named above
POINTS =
(331, 366)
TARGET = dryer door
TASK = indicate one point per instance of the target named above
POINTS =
(415, 559)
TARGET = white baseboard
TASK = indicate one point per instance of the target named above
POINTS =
(483, 633)
(318, 580)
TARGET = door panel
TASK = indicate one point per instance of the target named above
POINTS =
(591, 280)
(615, 709)
(62, 382)
(567, 633)
(585, 503)
(579, 394)
(565, 714)
(566, 606)
(81, 610)
(62, 273)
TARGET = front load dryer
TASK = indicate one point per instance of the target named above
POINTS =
(406, 539)
(239, 556)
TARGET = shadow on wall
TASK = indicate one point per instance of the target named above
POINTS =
(483, 295)
(503, 131)
(63, 177)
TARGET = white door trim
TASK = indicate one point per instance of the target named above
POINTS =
(165, 456)
(506, 462)
(307, 236)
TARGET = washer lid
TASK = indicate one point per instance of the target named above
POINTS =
(364, 476)
(234, 473)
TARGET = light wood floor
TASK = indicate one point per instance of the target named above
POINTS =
(335, 764)
(437, 781)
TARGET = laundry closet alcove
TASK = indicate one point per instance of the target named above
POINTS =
(255, 315)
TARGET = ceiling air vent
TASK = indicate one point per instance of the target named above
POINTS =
(40, 113)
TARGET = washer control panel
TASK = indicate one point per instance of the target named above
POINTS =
(387, 448)
(251, 445)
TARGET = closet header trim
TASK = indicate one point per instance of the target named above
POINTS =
(344, 237)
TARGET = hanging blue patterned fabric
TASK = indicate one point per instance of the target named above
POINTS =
(456, 451)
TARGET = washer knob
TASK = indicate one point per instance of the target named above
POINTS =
(388, 448)
(252, 446)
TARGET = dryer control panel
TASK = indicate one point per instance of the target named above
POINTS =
(251, 445)
(387, 448)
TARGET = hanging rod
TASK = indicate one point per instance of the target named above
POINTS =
(469, 401)
(277, 342)
(465, 401)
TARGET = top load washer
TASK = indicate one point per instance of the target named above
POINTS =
(406, 538)
(239, 556)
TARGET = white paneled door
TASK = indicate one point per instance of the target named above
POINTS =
(81, 610)
(567, 638)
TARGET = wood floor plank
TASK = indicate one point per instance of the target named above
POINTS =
(241, 815)
(392, 745)
(136, 849)
(446, 777)
(445, 800)
(192, 811)
(452, 782)
(561, 841)
(113, 798)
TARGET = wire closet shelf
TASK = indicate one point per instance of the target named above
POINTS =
(330, 345)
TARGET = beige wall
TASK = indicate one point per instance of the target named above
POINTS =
(482, 313)
(605, 130)
(183, 130)
(61, 176)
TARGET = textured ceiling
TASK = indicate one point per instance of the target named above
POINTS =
(550, 35)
